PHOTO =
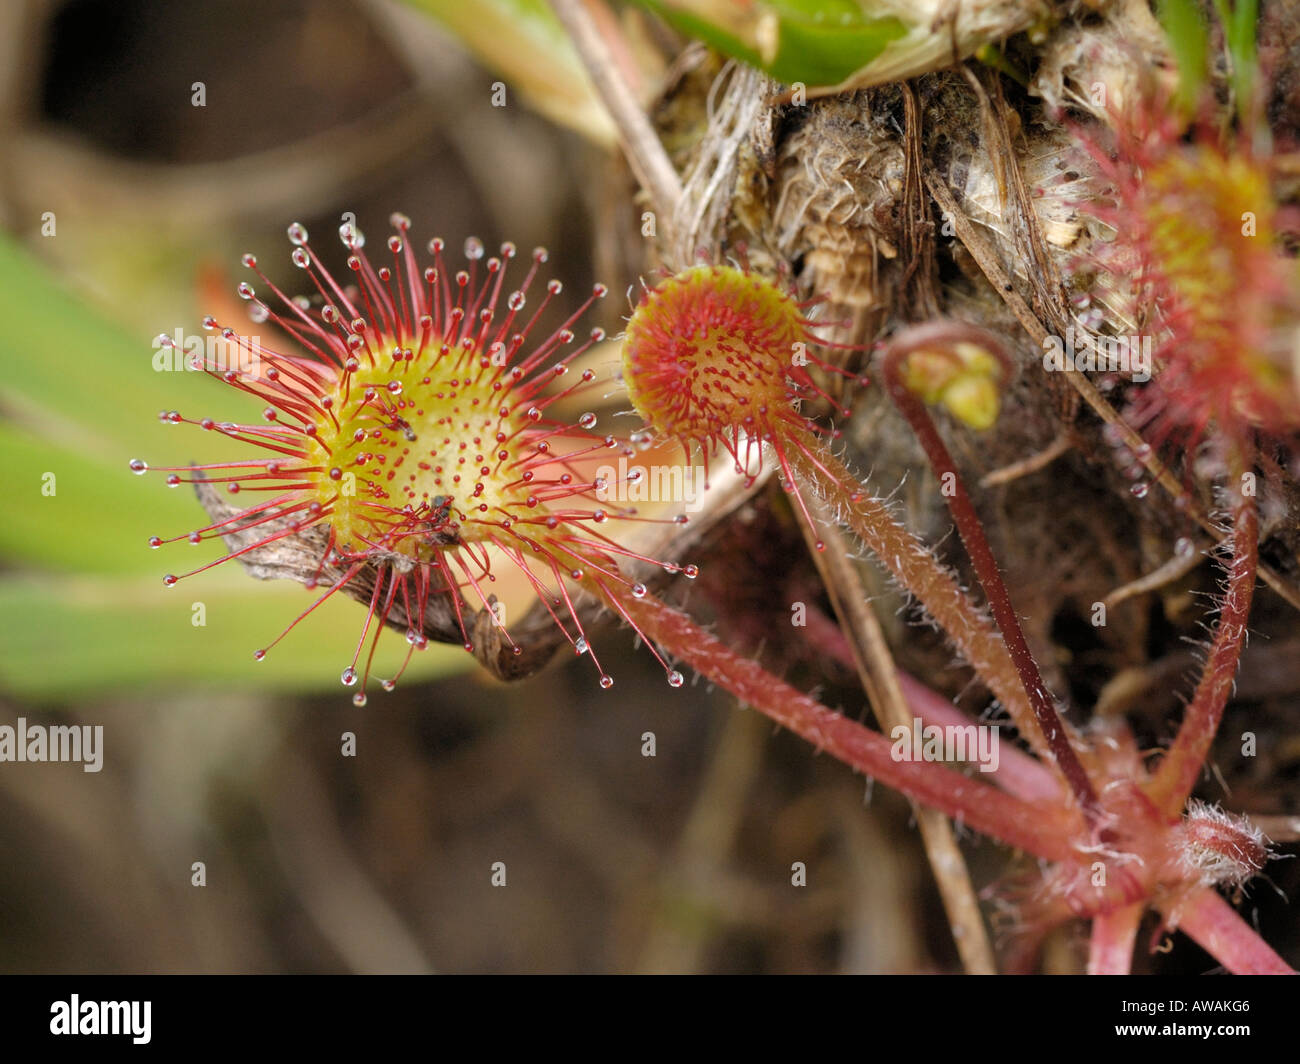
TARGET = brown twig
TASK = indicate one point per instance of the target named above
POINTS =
(1015, 470)
(876, 670)
(646, 156)
(1174, 569)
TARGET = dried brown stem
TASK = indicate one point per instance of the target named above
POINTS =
(1026, 466)
(876, 670)
(641, 145)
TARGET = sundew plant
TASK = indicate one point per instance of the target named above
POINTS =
(855, 255)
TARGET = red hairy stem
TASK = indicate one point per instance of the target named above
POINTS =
(915, 567)
(1017, 773)
(940, 337)
(1218, 929)
(1110, 947)
(1041, 831)
(1178, 771)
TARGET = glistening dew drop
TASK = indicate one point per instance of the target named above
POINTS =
(410, 441)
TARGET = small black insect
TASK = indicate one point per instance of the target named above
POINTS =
(437, 527)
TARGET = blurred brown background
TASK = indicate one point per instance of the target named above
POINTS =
(315, 862)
